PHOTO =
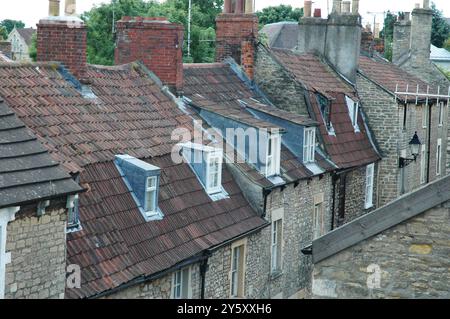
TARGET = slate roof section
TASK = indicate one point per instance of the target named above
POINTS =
(282, 34)
(439, 54)
(27, 172)
(125, 111)
(27, 34)
(347, 147)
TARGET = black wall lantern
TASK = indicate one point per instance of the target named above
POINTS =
(414, 146)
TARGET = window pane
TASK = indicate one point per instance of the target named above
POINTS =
(151, 182)
(151, 201)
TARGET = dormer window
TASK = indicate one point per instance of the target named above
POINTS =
(214, 174)
(309, 144)
(206, 162)
(150, 196)
(142, 179)
(273, 155)
(353, 108)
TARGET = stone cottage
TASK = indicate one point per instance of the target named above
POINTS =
(36, 206)
(21, 39)
(397, 251)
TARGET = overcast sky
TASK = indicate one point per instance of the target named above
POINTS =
(30, 11)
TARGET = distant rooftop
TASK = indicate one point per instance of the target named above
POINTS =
(439, 54)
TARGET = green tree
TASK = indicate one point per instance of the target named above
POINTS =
(388, 34)
(278, 14)
(7, 25)
(440, 29)
(32, 51)
(101, 38)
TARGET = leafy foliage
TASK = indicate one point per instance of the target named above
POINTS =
(101, 39)
(7, 25)
(388, 34)
(32, 50)
(278, 14)
(440, 29)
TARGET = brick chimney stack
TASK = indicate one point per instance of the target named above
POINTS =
(236, 33)
(156, 42)
(63, 39)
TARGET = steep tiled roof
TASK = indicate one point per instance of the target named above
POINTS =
(390, 76)
(123, 110)
(27, 34)
(224, 90)
(346, 147)
(27, 173)
(313, 73)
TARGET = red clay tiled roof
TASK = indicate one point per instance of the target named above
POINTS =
(218, 83)
(117, 245)
(346, 148)
(129, 114)
(311, 72)
(391, 76)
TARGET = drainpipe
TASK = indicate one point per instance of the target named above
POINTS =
(203, 269)
(333, 204)
(429, 142)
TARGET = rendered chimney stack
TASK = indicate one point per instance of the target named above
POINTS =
(63, 40)
(337, 6)
(355, 7)
(156, 42)
(346, 7)
(307, 9)
(70, 8)
(53, 8)
(402, 38)
(421, 24)
(249, 6)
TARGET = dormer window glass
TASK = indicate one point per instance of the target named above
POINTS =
(353, 108)
(309, 145)
(73, 213)
(150, 194)
(214, 173)
(273, 155)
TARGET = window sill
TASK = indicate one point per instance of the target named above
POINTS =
(73, 228)
(368, 206)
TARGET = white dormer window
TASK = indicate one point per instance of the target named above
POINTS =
(353, 108)
(309, 144)
(150, 195)
(273, 155)
(214, 173)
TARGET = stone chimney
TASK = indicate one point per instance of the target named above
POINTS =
(337, 38)
(235, 31)
(156, 42)
(402, 38)
(421, 23)
(63, 39)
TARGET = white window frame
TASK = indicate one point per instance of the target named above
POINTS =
(276, 247)
(318, 220)
(309, 144)
(181, 273)
(441, 114)
(148, 190)
(217, 188)
(238, 268)
(353, 110)
(6, 215)
(423, 163)
(438, 156)
(424, 116)
(274, 168)
(368, 201)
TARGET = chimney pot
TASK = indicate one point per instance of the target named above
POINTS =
(239, 6)
(355, 7)
(417, 6)
(70, 8)
(426, 4)
(249, 6)
(337, 5)
(227, 6)
(53, 8)
(346, 7)
(407, 16)
(307, 8)
(318, 13)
